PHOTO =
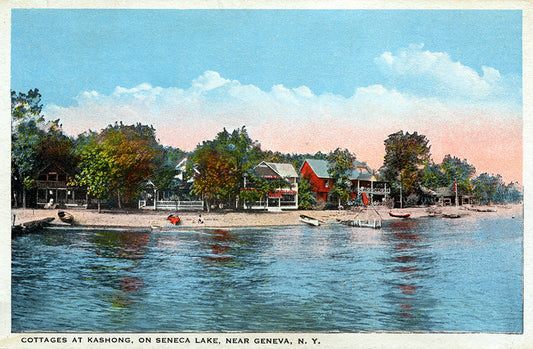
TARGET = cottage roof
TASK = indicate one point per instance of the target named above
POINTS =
(360, 171)
(444, 191)
(52, 166)
(283, 170)
(319, 167)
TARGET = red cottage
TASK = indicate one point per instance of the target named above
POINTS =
(361, 176)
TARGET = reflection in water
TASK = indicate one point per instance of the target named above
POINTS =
(412, 275)
(126, 245)
(412, 261)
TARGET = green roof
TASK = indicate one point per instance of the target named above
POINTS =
(320, 168)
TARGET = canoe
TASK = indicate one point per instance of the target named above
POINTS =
(65, 217)
(174, 220)
(309, 220)
(398, 215)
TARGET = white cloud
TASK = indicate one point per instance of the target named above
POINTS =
(297, 120)
(436, 74)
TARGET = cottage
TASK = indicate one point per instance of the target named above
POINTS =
(175, 197)
(361, 177)
(281, 198)
(446, 196)
(53, 188)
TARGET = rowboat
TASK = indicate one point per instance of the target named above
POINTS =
(309, 220)
(174, 220)
(451, 215)
(65, 217)
(400, 215)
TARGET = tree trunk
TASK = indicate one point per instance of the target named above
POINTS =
(99, 207)
(119, 201)
(24, 198)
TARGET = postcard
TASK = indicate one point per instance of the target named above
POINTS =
(259, 174)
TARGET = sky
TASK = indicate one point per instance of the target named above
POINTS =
(301, 81)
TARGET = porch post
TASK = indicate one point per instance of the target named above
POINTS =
(371, 191)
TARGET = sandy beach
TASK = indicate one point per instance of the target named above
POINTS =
(157, 219)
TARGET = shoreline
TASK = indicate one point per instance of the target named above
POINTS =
(156, 220)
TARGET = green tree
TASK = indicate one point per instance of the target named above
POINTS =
(487, 188)
(455, 169)
(214, 174)
(94, 169)
(165, 168)
(131, 150)
(233, 154)
(432, 176)
(306, 197)
(405, 156)
(341, 165)
(27, 132)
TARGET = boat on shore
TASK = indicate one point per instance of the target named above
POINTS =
(451, 215)
(30, 227)
(400, 215)
(309, 220)
(66, 217)
(174, 220)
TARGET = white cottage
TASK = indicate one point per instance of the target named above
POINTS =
(285, 198)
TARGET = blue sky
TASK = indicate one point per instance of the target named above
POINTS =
(64, 52)
(279, 71)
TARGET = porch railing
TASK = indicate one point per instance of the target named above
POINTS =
(177, 205)
(379, 191)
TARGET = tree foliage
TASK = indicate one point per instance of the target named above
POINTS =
(455, 169)
(306, 197)
(131, 150)
(341, 165)
(116, 160)
(218, 165)
(405, 156)
(94, 170)
(27, 133)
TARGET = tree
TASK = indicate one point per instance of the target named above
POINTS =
(94, 170)
(432, 176)
(487, 188)
(405, 154)
(165, 168)
(455, 169)
(306, 197)
(27, 132)
(234, 155)
(215, 174)
(341, 164)
(131, 150)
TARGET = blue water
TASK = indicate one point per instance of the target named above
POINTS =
(413, 275)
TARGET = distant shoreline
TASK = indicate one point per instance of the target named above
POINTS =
(156, 220)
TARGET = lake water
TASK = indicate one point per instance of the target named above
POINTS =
(426, 274)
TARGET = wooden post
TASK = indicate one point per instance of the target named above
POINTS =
(371, 191)
(456, 199)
